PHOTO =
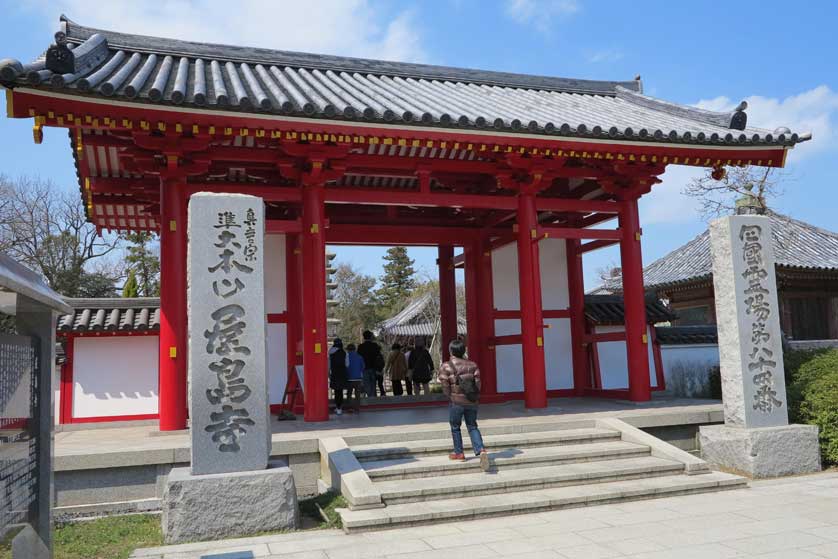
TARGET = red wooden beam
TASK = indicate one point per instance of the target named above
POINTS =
(511, 339)
(283, 226)
(596, 218)
(414, 198)
(557, 232)
(270, 193)
(556, 313)
(277, 318)
(502, 241)
(598, 244)
(396, 235)
(605, 337)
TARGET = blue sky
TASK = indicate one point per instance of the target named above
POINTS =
(781, 56)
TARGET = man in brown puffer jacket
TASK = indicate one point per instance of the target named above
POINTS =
(460, 379)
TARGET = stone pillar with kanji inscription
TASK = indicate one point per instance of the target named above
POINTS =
(233, 488)
(756, 438)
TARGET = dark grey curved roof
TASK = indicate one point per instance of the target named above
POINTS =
(687, 335)
(173, 72)
(797, 245)
(610, 309)
(111, 315)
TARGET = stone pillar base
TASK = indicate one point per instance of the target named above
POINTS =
(762, 452)
(218, 506)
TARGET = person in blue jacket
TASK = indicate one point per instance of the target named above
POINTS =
(355, 367)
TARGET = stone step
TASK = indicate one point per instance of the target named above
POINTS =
(384, 451)
(504, 481)
(434, 465)
(532, 501)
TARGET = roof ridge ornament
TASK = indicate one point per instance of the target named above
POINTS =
(735, 120)
(63, 60)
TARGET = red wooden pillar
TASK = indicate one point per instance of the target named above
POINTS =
(634, 300)
(473, 326)
(447, 298)
(315, 350)
(486, 302)
(172, 342)
(576, 292)
(532, 321)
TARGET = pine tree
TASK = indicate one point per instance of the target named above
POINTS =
(398, 282)
(143, 261)
(130, 289)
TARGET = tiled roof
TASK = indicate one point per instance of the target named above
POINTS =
(402, 324)
(685, 335)
(103, 315)
(420, 329)
(797, 245)
(609, 309)
(172, 72)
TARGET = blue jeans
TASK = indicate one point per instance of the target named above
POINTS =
(455, 418)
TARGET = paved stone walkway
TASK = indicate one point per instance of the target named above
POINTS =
(792, 518)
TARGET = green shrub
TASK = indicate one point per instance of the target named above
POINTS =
(812, 394)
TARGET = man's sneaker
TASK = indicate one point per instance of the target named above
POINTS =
(457, 457)
(484, 460)
(338, 411)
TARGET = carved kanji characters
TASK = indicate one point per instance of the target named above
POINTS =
(223, 339)
(228, 426)
(228, 288)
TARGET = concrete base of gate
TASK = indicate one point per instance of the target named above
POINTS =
(217, 506)
(762, 452)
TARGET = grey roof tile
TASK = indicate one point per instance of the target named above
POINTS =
(609, 309)
(111, 314)
(796, 245)
(167, 71)
(685, 335)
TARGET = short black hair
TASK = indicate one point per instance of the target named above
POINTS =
(367, 335)
(457, 348)
(396, 346)
(351, 347)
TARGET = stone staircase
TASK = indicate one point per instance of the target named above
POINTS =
(397, 483)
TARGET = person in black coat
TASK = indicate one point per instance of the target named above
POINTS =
(374, 360)
(338, 373)
(420, 366)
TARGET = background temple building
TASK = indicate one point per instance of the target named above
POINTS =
(807, 280)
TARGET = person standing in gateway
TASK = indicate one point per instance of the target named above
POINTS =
(460, 379)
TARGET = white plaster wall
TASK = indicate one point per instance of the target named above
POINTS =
(276, 302)
(275, 292)
(509, 361)
(554, 294)
(114, 375)
(557, 353)
(613, 360)
(553, 260)
(277, 362)
(505, 278)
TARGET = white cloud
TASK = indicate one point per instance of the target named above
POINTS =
(605, 55)
(341, 27)
(666, 204)
(815, 111)
(540, 13)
